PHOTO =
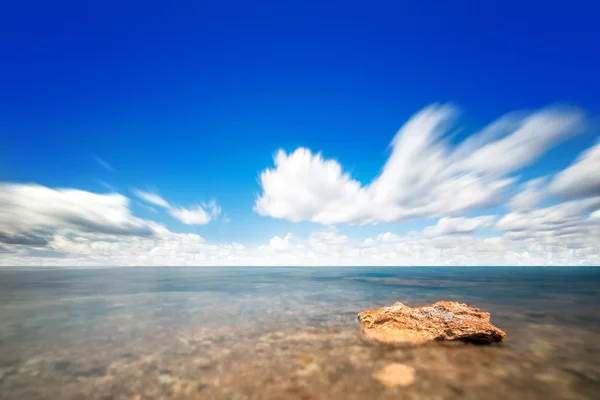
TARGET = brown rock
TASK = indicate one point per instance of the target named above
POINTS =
(444, 320)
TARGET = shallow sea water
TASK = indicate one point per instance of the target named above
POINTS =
(289, 333)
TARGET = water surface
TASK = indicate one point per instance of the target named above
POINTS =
(272, 333)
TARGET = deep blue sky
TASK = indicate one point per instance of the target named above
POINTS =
(193, 98)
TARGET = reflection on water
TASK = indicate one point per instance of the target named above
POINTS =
(272, 333)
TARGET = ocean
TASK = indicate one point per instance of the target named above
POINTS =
(289, 333)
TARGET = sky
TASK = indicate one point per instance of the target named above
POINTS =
(299, 133)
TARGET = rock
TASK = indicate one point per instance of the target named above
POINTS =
(393, 375)
(444, 320)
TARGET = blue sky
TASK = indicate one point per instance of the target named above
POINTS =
(193, 100)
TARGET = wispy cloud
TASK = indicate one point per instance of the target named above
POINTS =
(552, 219)
(198, 215)
(31, 214)
(582, 178)
(152, 198)
(104, 164)
(106, 185)
(425, 176)
(146, 207)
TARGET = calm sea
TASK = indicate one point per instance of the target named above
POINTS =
(272, 333)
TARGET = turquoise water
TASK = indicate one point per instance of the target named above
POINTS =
(216, 332)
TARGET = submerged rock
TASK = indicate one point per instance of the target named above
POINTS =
(444, 320)
(393, 375)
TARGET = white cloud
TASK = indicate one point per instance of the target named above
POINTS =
(41, 226)
(323, 188)
(582, 178)
(554, 218)
(318, 249)
(424, 175)
(280, 244)
(387, 237)
(569, 226)
(198, 215)
(329, 242)
(212, 208)
(532, 194)
(531, 137)
(152, 198)
(193, 216)
(30, 213)
(458, 225)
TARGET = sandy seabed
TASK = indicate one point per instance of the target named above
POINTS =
(277, 344)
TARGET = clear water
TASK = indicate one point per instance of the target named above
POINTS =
(262, 333)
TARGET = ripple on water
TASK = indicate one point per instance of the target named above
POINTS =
(295, 338)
